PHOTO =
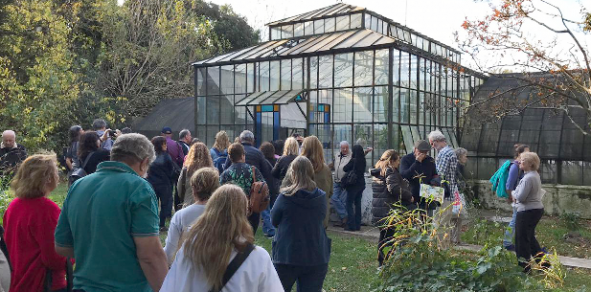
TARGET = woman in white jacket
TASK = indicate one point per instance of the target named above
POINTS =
(219, 236)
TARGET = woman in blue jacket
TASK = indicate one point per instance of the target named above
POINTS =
(301, 248)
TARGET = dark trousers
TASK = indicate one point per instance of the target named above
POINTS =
(309, 278)
(254, 220)
(526, 244)
(385, 235)
(164, 194)
(354, 217)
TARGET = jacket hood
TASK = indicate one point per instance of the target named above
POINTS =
(307, 199)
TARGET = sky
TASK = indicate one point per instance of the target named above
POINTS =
(438, 19)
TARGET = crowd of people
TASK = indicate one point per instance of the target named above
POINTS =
(111, 220)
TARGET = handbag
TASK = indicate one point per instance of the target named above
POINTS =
(350, 178)
(79, 171)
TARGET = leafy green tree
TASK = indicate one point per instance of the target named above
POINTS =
(37, 80)
(227, 24)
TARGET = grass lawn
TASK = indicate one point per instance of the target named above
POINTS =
(353, 264)
(551, 232)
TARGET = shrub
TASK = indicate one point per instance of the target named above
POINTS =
(571, 220)
(416, 263)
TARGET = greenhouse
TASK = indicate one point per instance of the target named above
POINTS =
(340, 73)
(563, 148)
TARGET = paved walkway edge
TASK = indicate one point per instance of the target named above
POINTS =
(373, 234)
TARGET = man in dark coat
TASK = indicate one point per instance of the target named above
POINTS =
(11, 153)
(418, 168)
(254, 156)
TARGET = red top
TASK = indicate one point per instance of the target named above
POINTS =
(30, 224)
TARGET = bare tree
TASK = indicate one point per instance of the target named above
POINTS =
(554, 65)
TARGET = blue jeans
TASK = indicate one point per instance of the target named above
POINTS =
(510, 230)
(268, 228)
(339, 199)
(309, 278)
(354, 217)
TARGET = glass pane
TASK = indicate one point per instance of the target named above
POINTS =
(548, 172)
(297, 73)
(407, 138)
(421, 110)
(374, 23)
(342, 22)
(404, 106)
(404, 69)
(362, 104)
(240, 78)
(240, 112)
(213, 110)
(298, 29)
(367, 21)
(263, 79)
(586, 173)
(227, 82)
(227, 109)
(308, 28)
(250, 77)
(201, 110)
(286, 74)
(275, 33)
(342, 133)
(213, 81)
(396, 104)
(572, 173)
(382, 66)
(363, 137)
(414, 64)
(363, 68)
(486, 167)
(274, 75)
(325, 71)
(325, 136)
(396, 67)
(319, 26)
(329, 25)
(413, 107)
(287, 31)
(356, 20)
(343, 70)
(380, 141)
(313, 72)
(342, 108)
(380, 107)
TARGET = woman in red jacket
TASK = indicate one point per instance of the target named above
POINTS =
(30, 222)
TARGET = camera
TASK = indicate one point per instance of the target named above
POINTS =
(113, 133)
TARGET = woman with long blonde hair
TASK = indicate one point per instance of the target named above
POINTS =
(197, 158)
(301, 248)
(290, 152)
(219, 151)
(220, 235)
(203, 183)
(312, 149)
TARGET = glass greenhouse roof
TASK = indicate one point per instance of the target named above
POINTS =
(361, 38)
(332, 10)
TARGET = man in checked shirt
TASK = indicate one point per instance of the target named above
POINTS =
(449, 224)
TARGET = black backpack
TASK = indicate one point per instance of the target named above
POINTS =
(78, 172)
